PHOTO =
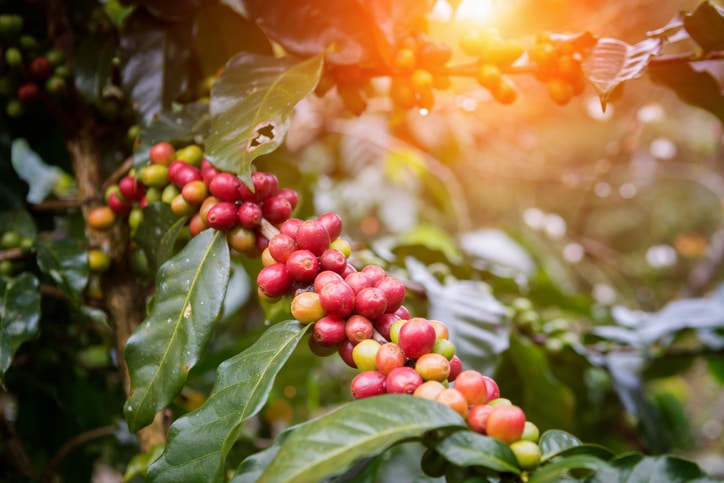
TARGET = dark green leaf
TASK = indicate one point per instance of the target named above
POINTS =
(595, 450)
(181, 126)
(190, 290)
(612, 62)
(637, 468)
(171, 10)
(200, 441)
(93, 65)
(473, 316)
(138, 465)
(251, 107)
(252, 467)
(19, 315)
(532, 366)
(555, 441)
(221, 33)
(157, 233)
(706, 26)
(67, 264)
(561, 469)
(155, 61)
(18, 221)
(366, 427)
(696, 87)
(716, 368)
(362, 33)
(467, 448)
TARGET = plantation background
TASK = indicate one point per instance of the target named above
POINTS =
(583, 225)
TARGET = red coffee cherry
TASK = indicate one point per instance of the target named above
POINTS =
(417, 337)
(120, 208)
(492, 388)
(403, 313)
(383, 323)
(471, 384)
(325, 277)
(313, 236)
(276, 209)
(290, 227)
(389, 357)
(505, 423)
(208, 171)
(222, 216)
(358, 281)
(374, 273)
(131, 188)
(265, 185)
(186, 174)
(280, 246)
(28, 92)
(302, 266)
(345, 352)
(394, 291)
(173, 169)
(290, 195)
(368, 383)
(162, 153)
(358, 328)
(274, 280)
(337, 299)
(250, 214)
(456, 367)
(333, 260)
(371, 303)
(454, 400)
(333, 223)
(478, 417)
(225, 186)
(40, 68)
(196, 224)
(403, 380)
(329, 331)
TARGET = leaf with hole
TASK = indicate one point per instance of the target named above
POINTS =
(199, 441)
(251, 107)
(190, 290)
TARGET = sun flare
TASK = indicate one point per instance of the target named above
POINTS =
(475, 10)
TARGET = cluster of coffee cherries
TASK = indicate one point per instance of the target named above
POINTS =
(559, 64)
(27, 70)
(194, 188)
(359, 315)
(494, 53)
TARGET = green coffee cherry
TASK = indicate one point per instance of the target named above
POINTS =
(13, 57)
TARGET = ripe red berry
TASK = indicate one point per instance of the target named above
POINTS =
(250, 214)
(329, 331)
(505, 423)
(358, 328)
(358, 281)
(313, 236)
(333, 223)
(280, 246)
(131, 188)
(196, 224)
(302, 265)
(28, 92)
(403, 380)
(333, 260)
(274, 280)
(370, 302)
(265, 185)
(290, 195)
(222, 216)
(345, 349)
(456, 367)
(374, 273)
(225, 186)
(478, 417)
(186, 174)
(394, 291)
(389, 357)
(492, 388)
(162, 153)
(208, 171)
(337, 298)
(472, 385)
(368, 383)
(417, 337)
(290, 227)
(325, 277)
(276, 209)
(173, 168)
(120, 208)
(40, 68)
(403, 313)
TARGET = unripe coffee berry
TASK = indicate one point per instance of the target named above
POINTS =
(162, 153)
(471, 384)
(389, 357)
(239, 238)
(306, 307)
(454, 400)
(364, 355)
(432, 367)
(429, 390)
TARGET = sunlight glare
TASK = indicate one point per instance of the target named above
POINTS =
(475, 10)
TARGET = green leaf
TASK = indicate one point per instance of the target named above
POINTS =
(696, 87)
(67, 264)
(93, 66)
(612, 62)
(19, 221)
(181, 126)
(637, 468)
(467, 448)
(138, 465)
(706, 26)
(595, 450)
(199, 441)
(251, 107)
(561, 469)
(252, 467)
(190, 290)
(19, 315)
(555, 441)
(532, 366)
(157, 233)
(365, 427)
(155, 61)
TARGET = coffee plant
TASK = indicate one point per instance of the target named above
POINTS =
(197, 284)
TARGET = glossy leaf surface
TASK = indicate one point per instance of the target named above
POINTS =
(19, 315)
